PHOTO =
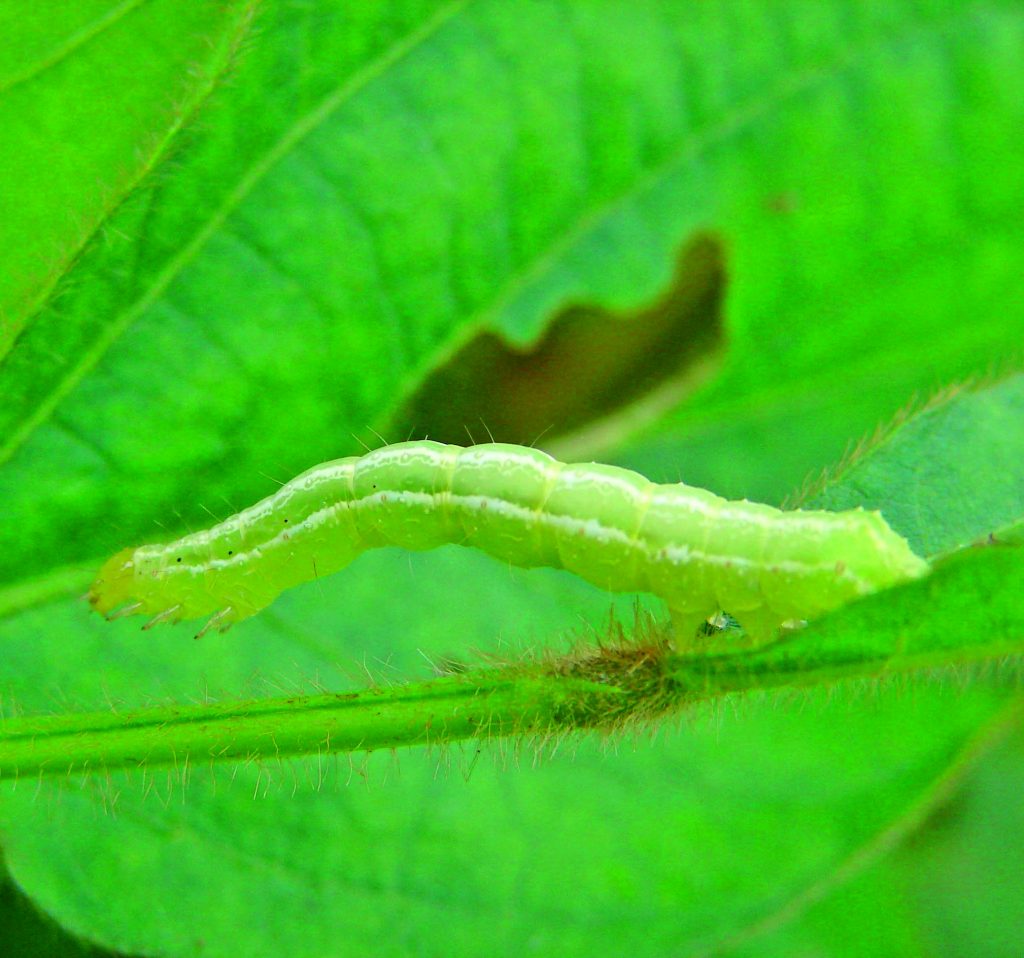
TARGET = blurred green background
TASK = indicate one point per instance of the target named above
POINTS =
(716, 242)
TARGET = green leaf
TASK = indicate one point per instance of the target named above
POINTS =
(295, 272)
(372, 186)
(911, 902)
(863, 918)
(950, 476)
(689, 841)
(971, 843)
(92, 99)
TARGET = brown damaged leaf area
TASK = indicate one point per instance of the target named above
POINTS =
(592, 363)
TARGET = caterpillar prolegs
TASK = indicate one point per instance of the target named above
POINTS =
(699, 552)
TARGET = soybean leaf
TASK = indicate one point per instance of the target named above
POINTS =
(368, 189)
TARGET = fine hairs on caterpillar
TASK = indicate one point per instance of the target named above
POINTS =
(700, 553)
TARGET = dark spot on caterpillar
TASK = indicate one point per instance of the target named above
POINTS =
(179, 558)
(285, 520)
(231, 552)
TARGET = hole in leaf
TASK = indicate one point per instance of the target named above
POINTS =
(592, 364)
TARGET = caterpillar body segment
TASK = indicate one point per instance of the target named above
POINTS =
(699, 552)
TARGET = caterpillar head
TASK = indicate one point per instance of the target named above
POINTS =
(115, 584)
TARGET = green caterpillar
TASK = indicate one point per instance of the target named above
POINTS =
(699, 552)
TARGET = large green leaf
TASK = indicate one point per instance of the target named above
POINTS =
(417, 178)
(946, 476)
(912, 903)
(70, 152)
(972, 843)
(370, 188)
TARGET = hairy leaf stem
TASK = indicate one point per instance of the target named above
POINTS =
(486, 703)
(625, 683)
